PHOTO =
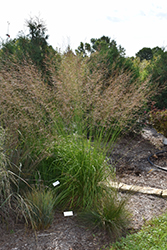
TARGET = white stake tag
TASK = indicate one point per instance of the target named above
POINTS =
(56, 183)
(68, 213)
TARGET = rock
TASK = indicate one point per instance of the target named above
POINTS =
(164, 194)
(153, 136)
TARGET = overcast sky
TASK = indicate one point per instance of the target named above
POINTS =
(134, 24)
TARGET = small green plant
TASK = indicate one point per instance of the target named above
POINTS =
(152, 236)
(41, 203)
(109, 214)
(158, 119)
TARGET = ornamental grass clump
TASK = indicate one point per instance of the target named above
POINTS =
(92, 113)
(81, 167)
(5, 187)
(103, 102)
(40, 202)
(12, 204)
(63, 131)
(110, 214)
(27, 111)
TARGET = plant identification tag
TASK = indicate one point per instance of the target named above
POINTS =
(56, 183)
(68, 213)
(165, 141)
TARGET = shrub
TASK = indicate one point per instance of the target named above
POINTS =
(158, 119)
(159, 76)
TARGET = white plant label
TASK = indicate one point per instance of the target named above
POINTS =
(56, 183)
(165, 141)
(68, 213)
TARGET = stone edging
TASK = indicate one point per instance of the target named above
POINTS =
(144, 190)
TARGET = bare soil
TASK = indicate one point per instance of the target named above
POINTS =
(132, 167)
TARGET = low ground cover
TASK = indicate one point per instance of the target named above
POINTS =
(152, 236)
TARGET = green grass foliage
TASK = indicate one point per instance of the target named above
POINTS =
(5, 186)
(11, 202)
(152, 236)
(109, 214)
(41, 207)
(81, 168)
